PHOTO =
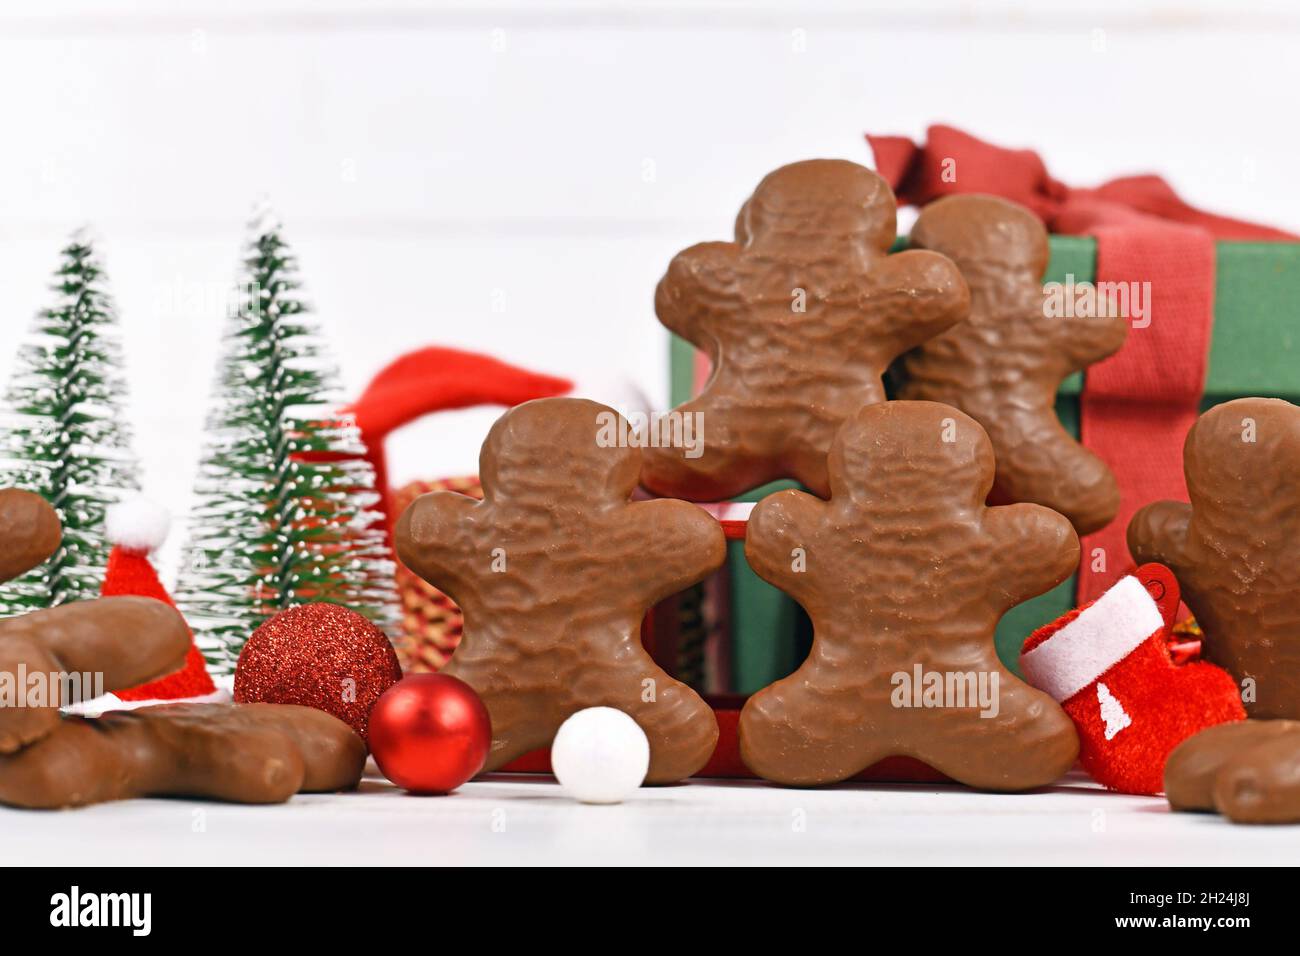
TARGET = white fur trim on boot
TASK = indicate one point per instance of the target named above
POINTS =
(1094, 642)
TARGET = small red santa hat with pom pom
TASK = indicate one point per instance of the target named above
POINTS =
(136, 527)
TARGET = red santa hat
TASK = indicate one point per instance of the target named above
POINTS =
(136, 527)
(436, 379)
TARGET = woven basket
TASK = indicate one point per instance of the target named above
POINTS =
(431, 622)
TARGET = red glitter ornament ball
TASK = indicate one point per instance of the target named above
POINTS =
(322, 656)
(430, 733)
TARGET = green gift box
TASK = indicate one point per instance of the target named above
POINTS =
(1255, 350)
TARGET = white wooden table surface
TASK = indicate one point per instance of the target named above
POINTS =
(528, 820)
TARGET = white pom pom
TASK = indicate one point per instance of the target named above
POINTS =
(137, 524)
(600, 755)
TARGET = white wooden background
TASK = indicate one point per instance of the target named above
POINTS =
(513, 177)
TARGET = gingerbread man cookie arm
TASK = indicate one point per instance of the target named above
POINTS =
(1040, 549)
(778, 538)
(1158, 533)
(29, 532)
(1086, 341)
(1039, 461)
(673, 529)
(928, 297)
(698, 291)
(434, 538)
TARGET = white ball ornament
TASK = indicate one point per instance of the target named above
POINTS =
(600, 755)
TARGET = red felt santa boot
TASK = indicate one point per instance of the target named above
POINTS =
(136, 527)
(1111, 665)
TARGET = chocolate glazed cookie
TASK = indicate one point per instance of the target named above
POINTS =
(800, 315)
(905, 573)
(554, 570)
(1236, 547)
(1004, 363)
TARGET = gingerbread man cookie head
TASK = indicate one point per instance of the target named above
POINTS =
(905, 573)
(824, 206)
(1239, 458)
(800, 316)
(554, 570)
(989, 237)
(895, 454)
(1236, 547)
(1004, 363)
(561, 446)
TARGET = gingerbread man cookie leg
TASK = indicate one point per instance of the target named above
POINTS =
(1262, 783)
(122, 641)
(800, 315)
(554, 570)
(1194, 765)
(1236, 548)
(127, 639)
(256, 753)
(905, 573)
(1004, 363)
(332, 759)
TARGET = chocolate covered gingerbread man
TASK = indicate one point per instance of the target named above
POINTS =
(554, 570)
(800, 315)
(1004, 363)
(257, 753)
(905, 573)
(1236, 547)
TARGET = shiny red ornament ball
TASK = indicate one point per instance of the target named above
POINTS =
(429, 733)
(322, 656)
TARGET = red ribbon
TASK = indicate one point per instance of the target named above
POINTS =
(1137, 405)
(435, 379)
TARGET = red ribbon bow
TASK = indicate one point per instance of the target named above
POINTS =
(955, 162)
(1138, 405)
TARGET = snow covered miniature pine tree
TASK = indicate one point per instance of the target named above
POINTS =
(285, 511)
(62, 433)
